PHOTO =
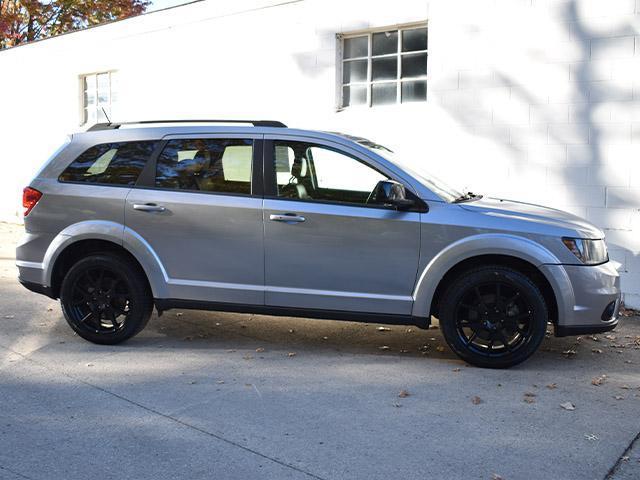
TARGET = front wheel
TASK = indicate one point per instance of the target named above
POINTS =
(493, 317)
(105, 299)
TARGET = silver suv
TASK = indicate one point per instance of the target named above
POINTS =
(255, 217)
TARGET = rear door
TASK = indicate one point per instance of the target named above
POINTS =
(199, 208)
(326, 246)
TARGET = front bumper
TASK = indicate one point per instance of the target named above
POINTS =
(588, 297)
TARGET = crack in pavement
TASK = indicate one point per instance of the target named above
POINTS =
(616, 466)
(160, 414)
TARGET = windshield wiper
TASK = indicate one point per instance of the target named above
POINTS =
(467, 197)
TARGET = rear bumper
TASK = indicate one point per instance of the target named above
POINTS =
(588, 297)
(37, 288)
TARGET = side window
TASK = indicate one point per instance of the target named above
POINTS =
(209, 165)
(110, 163)
(307, 171)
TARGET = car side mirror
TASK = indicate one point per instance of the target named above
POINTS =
(391, 193)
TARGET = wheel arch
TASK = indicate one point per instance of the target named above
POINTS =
(519, 253)
(85, 238)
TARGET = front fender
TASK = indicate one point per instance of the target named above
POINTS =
(477, 245)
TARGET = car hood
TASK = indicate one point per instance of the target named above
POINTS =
(543, 216)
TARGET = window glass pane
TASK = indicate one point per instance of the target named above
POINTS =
(90, 83)
(383, 93)
(414, 91)
(236, 163)
(384, 68)
(104, 89)
(356, 47)
(415, 39)
(209, 165)
(385, 43)
(110, 163)
(354, 71)
(354, 95)
(324, 174)
(89, 98)
(414, 65)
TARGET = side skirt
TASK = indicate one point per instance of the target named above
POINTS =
(163, 304)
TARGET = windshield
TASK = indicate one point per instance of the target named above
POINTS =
(437, 186)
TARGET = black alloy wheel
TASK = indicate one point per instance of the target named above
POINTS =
(493, 317)
(106, 299)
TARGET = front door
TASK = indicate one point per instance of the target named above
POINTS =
(199, 212)
(326, 245)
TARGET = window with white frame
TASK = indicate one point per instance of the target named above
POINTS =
(99, 92)
(383, 67)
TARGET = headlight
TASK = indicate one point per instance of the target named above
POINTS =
(589, 252)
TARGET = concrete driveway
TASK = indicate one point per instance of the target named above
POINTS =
(227, 396)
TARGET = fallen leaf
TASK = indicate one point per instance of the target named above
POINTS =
(409, 330)
(259, 350)
(552, 386)
(179, 314)
(384, 347)
(569, 353)
(440, 348)
(618, 397)
(456, 370)
(383, 329)
(189, 338)
(476, 400)
(597, 381)
(325, 338)
(217, 324)
(610, 337)
(247, 357)
(529, 400)
(291, 330)
(625, 387)
(230, 351)
(220, 382)
(568, 406)
(591, 437)
(434, 327)
(596, 350)
(192, 382)
(397, 405)
(9, 316)
(495, 476)
(89, 364)
(594, 338)
(403, 394)
(404, 351)
(291, 354)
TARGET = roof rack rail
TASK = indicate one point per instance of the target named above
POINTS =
(255, 123)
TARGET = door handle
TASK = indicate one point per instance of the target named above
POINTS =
(148, 207)
(287, 218)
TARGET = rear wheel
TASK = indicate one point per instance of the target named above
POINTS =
(105, 299)
(493, 317)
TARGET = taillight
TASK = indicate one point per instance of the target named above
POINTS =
(30, 196)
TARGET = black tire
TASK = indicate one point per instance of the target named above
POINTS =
(106, 299)
(493, 317)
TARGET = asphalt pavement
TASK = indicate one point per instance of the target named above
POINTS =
(228, 396)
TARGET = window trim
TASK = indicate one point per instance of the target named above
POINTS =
(270, 177)
(368, 84)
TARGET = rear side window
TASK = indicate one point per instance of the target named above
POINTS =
(110, 163)
(208, 165)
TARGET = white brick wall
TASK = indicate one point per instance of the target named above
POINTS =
(531, 99)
